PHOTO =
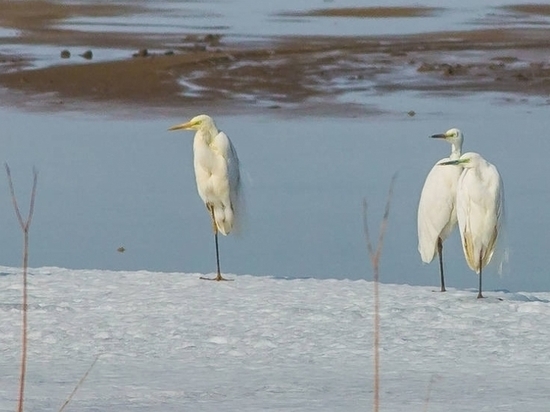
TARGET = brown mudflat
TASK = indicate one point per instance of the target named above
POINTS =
(308, 73)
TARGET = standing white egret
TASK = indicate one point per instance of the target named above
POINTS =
(436, 209)
(217, 175)
(480, 205)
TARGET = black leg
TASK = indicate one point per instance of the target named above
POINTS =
(215, 229)
(440, 253)
(219, 275)
(479, 294)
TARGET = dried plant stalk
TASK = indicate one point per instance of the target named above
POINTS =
(375, 262)
(25, 225)
(78, 385)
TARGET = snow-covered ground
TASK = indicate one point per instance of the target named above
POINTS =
(171, 342)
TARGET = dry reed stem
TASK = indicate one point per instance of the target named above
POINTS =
(25, 225)
(375, 262)
(79, 384)
(433, 379)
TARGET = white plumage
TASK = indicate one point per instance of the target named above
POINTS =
(217, 174)
(480, 204)
(437, 206)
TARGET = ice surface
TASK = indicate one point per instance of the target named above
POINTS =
(171, 342)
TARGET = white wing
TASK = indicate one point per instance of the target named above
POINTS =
(436, 209)
(234, 173)
(501, 253)
(229, 154)
(479, 211)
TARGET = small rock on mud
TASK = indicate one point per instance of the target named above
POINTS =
(88, 55)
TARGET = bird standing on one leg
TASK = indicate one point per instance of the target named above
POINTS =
(480, 205)
(217, 175)
(436, 209)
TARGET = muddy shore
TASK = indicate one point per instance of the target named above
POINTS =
(187, 71)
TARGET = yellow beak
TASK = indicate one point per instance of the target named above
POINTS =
(182, 126)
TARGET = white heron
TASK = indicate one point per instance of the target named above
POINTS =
(480, 205)
(436, 208)
(217, 175)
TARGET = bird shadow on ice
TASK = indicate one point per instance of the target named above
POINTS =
(496, 296)
(501, 295)
(505, 294)
(8, 307)
(17, 273)
(298, 277)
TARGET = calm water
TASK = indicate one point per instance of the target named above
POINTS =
(173, 19)
(106, 183)
(269, 19)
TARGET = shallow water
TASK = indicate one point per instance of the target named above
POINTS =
(236, 20)
(249, 18)
(107, 182)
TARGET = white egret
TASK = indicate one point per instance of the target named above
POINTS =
(480, 205)
(217, 175)
(436, 208)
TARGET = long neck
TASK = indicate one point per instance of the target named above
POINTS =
(207, 134)
(456, 149)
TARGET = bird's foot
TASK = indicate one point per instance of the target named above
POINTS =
(218, 278)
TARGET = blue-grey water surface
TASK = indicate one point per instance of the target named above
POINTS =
(107, 182)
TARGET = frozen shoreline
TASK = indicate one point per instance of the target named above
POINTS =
(170, 341)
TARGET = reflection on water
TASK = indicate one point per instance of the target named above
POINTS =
(108, 183)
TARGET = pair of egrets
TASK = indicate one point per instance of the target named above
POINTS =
(464, 189)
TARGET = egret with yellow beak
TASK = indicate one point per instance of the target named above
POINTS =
(436, 208)
(217, 175)
(479, 209)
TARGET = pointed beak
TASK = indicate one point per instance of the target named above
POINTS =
(439, 136)
(450, 162)
(182, 126)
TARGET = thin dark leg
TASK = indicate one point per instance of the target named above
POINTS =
(215, 229)
(479, 295)
(219, 275)
(440, 253)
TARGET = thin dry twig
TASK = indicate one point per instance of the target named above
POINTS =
(79, 384)
(433, 379)
(375, 261)
(25, 226)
